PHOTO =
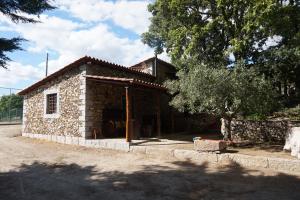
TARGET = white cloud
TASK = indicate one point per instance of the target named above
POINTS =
(131, 15)
(67, 40)
(18, 72)
(73, 40)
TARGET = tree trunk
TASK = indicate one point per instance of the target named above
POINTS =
(226, 128)
(285, 89)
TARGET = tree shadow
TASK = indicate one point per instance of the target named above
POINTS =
(272, 148)
(188, 137)
(180, 180)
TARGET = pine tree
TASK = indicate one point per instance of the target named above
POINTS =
(19, 11)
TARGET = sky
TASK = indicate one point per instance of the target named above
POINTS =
(108, 30)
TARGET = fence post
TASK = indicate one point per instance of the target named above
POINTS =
(9, 104)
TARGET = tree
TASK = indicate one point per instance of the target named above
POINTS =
(221, 34)
(282, 66)
(282, 62)
(209, 30)
(19, 11)
(9, 102)
(225, 92)
(224, 32)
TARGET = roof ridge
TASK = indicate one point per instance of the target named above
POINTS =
(80, 61)
(117, 65)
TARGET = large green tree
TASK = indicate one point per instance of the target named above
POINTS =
(226, 32)
(19, 11)
(223, 92)
(281, 62)
(209, 30)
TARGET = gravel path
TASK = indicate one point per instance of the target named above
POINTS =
(33, 169)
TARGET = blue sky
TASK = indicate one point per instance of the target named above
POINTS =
(108, 30)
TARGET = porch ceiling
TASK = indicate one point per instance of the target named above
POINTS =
(126, 81)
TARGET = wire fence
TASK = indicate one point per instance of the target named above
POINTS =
(11, 105)
(12, 115)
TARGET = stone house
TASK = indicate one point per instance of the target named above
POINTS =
(95, 99)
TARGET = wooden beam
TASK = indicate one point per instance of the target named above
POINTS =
(158, 115)
(128, 115)
(140, 86)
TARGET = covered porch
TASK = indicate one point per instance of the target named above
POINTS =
(126, 108)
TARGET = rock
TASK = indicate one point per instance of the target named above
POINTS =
(209, 145)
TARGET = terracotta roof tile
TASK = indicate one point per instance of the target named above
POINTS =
(131, 81)
(81, 61)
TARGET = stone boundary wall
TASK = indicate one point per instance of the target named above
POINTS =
(105, 144)
(274, 131)
(277, 164)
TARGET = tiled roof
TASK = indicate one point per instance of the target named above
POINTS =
(129, 81)
(115, 66)
(79, 62)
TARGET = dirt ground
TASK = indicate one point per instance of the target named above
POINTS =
(33, 169)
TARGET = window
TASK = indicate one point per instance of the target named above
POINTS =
(51, 107)
(51, 103)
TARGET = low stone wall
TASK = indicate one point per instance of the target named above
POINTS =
(104, 144)
(274, 131)
(277, 164)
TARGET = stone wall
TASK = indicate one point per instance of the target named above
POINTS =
(98, 97)
(101, 96)
(67, 121)
(82, 101)
(273, 131)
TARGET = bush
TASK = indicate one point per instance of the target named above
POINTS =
(256, 117)
(291, 113)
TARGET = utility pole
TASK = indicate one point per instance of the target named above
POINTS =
(47, 64)
(155, 65)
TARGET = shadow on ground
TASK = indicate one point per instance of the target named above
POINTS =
(183, 180)
(266, 147)
(188, 137)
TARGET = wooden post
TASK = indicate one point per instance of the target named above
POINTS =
(128, 115)
(158, 117)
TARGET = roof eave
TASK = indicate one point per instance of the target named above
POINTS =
(77, 63)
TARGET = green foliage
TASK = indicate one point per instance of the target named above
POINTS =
(231, 33)
(256, 117)
(9, 102)
(282, 66)
(291, 113)
(18, 11)
(208, 30)
(281, 63)
(222, 91)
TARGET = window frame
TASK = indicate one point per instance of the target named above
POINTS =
(51, 99)
(57, 113)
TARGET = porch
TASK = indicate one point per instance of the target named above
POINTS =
(127, 108)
